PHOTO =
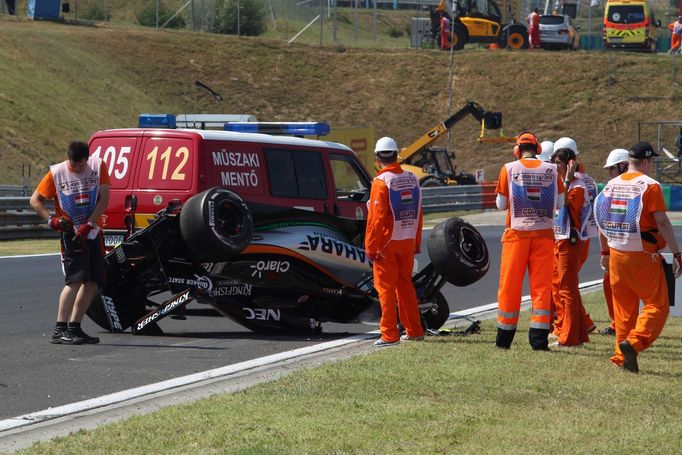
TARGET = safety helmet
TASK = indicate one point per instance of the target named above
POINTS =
(616, 156)
(547, 149)
(566, 143)
(385, 147)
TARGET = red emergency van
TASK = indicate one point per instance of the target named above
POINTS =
(151, 166)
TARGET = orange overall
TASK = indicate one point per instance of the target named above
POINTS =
(524, 249)
(393, 261)
(569, 255)
(638, 275)
(676, 35)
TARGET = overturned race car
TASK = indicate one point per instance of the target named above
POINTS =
(253, 254)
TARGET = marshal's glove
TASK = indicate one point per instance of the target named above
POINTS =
(59, 223)
(677, 264)
(83, 231)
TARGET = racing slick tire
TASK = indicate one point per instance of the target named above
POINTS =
(434, 317)
(458, 252)
(216, 224)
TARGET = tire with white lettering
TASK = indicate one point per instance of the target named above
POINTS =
(216, 225)
(458, 252)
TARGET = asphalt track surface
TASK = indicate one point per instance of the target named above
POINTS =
(35, 375)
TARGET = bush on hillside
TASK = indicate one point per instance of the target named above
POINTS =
(251, 21)
(395, 32)
(93, 12)
(147, 16)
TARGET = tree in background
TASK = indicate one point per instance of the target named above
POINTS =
(251, 21)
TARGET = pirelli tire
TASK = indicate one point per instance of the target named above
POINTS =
(458, 252)
(216, 225)
(514, 36)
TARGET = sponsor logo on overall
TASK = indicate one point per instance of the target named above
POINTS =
(619, 206)
(82, 200)
(262, 314)
(533, 194)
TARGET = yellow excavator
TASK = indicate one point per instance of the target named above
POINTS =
(434, 166)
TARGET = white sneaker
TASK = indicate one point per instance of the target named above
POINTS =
(409, 338)
(381, 343)
(557, 345)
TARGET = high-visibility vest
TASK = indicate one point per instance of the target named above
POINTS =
(77, 193)
(404, 196)
(618, 209)
(562, 217)
(588, 226)
(532, 195)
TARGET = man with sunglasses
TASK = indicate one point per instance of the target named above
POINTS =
(634, 228)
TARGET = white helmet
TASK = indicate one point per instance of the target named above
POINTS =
(547, 149)
(566, 143)
(385, 147)
(616, 156)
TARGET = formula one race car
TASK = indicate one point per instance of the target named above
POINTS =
(267, 267)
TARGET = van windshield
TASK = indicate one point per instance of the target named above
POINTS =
(626, 14)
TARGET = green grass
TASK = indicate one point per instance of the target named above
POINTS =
(16, 247)
(447, 395)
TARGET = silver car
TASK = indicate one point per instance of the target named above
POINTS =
(558, 32)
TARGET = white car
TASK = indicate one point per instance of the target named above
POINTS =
(558, 32)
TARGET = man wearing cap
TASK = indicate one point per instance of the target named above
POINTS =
(634, 228)
(392, 238)
(676, 35)
(530, 191)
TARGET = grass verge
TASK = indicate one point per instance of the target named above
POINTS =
(446, 395)
(17, 247)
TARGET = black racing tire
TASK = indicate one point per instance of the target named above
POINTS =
(459, 37)
(458, 252)
(431, 182)
(466, 179)
(518, 37)
(135, 308)
(434, 317)
(216, 225)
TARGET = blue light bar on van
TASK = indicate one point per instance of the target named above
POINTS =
(293, 128)
(156, 121)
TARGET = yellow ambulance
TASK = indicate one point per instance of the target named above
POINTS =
(630, 24)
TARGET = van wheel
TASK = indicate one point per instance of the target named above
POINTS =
(215, 224)
(458, 252)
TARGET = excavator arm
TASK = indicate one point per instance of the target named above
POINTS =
(488, 120)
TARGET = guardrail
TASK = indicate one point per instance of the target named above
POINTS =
(19, 221)
(14, 190)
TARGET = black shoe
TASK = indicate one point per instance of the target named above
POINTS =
(630, 355)
(65, 337)
(607, 331)
(56, 337)
(80, 337)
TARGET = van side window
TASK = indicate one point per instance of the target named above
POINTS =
(350, 182)
(296, 174)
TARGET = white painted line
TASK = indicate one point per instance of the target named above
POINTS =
(29, 255)
(118, 397)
